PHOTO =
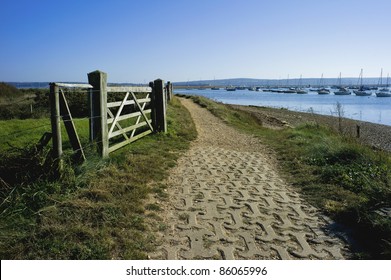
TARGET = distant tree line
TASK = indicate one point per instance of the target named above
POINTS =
(34, 103)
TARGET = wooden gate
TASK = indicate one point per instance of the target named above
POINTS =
(141, 111)
(129, 119)
(133, 113)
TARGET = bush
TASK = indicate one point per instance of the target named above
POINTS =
(8, 92)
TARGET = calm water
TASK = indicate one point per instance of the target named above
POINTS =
(369, 108)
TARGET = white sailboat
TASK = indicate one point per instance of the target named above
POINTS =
(300, 89)
(323, 90)
(288, 89)
(383, 91)
(361, 91)
(342, 90)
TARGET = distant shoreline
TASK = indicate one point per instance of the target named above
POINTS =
(246, 82)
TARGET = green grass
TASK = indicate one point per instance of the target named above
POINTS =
(98, 210)
(348, 181)
(18, 133)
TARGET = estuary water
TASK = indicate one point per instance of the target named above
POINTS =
(364, 108)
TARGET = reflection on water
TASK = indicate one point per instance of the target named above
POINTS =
(365, 108)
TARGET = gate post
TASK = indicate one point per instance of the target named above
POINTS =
(153, 110)
(159, 106)
(98, 114)
(169, 91)
(55, 118)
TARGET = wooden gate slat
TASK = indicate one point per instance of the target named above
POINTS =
(142, 112)
(139, 117)
(124, 143)
(130, 128)
(117, 125)
(128, 102)
(118, 113)
(128, 89)
(128, 116)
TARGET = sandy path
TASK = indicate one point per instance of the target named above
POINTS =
(227, 201)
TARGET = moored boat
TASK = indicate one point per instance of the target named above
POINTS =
(362, 90)
(290, 90)
(323, 91)
(343, 91)
(301, 91)
(383, 91)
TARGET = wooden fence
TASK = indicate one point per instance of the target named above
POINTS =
(112, 125)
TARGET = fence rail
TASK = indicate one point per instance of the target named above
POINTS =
(66, 85)
(112, 125)
(126, 89)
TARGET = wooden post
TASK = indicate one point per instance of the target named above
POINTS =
(98, 104)
(91, 115)
(55, 118)
(159, 106)
(152, 104)
(169, 91)
(358, 131)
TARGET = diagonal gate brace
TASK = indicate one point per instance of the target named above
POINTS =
(141, 111)
(70, 128)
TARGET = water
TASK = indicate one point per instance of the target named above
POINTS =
(364, 108)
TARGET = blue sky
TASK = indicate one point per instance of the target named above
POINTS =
(138, 41)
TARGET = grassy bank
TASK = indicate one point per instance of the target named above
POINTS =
(348, 181)
(94, 211)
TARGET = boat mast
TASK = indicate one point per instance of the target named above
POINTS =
(340, 80)
(321, 81)
(360, 78)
